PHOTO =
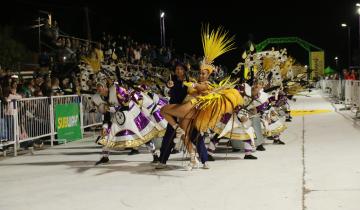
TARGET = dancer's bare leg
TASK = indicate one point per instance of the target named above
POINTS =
(175, 110)
(185, 125)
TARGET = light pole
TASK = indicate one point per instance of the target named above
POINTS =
(39, 22)
(344, 25)
(162, 28)
(358, 12)
(38, 25)
(336, 61)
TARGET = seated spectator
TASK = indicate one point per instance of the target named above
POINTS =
(38, 93)
(46, 87)
(27, 90)
(66, 86)
(56, 90)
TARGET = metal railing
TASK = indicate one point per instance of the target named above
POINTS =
(352, 92)
(7, 125)
(34, 118)
(336, 88)
(346, 91)
(90, 117)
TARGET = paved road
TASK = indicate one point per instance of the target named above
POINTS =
(317, 169)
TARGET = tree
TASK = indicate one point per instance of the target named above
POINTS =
(12, 52)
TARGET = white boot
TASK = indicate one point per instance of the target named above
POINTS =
(206, 166)
(160, 166)
(194, 162)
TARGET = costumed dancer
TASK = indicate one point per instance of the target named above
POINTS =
(240, 125)
(205, 103)
(178, 92)
(128, 128)
(237, 127)
(272, 122)
(151, 105)
(256, 101)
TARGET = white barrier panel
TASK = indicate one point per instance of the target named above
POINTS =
(326, 86)
(348, 90)
(67, 99)
(33, 118)
(90, 116)
(333, 87)
(336, 88)
(353, 88)
(356, 93)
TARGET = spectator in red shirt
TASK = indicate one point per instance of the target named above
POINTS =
(352, 75)
(346, 74)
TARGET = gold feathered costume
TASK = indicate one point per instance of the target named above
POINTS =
(220, 98)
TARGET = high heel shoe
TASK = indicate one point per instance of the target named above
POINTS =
(194, 164)
(179, 133)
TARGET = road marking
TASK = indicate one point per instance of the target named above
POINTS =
(296, 113)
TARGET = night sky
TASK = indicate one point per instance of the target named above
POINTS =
(317, 22)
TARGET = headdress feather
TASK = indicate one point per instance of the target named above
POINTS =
(215, 43)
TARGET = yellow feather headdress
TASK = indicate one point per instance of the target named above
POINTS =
(215, 43)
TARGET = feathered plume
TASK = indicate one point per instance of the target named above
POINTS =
(215, 43)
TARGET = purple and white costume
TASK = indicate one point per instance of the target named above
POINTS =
(151, 108)
(130, 127)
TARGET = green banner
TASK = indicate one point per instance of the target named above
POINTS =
(67, 121)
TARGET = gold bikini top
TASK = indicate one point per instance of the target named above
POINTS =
(191, 90)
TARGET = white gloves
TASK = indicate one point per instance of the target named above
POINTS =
(112, 109)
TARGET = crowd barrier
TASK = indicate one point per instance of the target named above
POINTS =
(7, 131)
(34, 118)
(352, 92)
(345, 91)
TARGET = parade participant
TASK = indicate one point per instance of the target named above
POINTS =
(151, 104)
(257, 103)
(240, 125)
(178, 92)
(205, 103)
(237, 127)
(137, 96)
(273, 124)
(279, 100)
(129, 128)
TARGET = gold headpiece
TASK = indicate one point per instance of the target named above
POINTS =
(215, 43)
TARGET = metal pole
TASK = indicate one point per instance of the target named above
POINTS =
(163, 22)
(359, 32)
(81, 115)
(15, 125)
(52, 120)
(88, 30)
(349, 47)
(39, 36)
(336, 63)
(161, 31)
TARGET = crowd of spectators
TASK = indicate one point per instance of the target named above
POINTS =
(11, 86)
(344, 75)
